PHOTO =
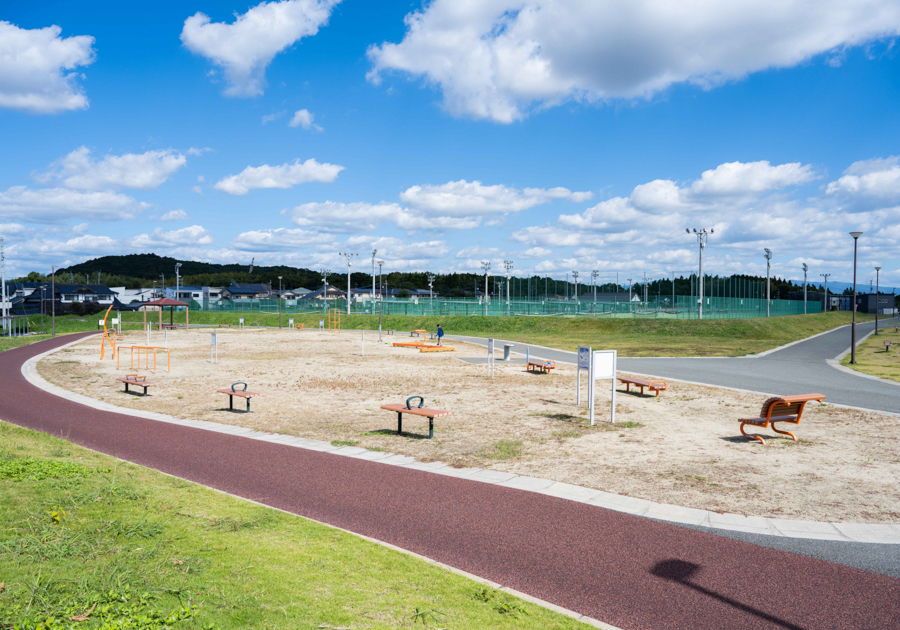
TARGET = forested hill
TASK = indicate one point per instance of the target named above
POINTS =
(151, 266)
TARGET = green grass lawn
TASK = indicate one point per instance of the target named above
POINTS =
(631, 337)
(872, 358)
(85, 535)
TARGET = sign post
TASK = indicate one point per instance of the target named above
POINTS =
(213, 349)
(603, 366)
(241, 323)
(584, 363)
(291, 323)
(491, 357)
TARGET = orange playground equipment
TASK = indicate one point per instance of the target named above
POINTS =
(109, 336)
(334, 319)
(146, 350)
(160, 304)
(423, 347)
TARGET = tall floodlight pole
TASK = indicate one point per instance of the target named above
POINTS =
(877, 275)
(177, 278)
(825, 304)
(349, 256)
(325, 273)
(380, 297)
(768, 256)
(487, 267)
(594, 275)
(431, 292)
(805, 269)
(855, 236)
(575, 277)
(3, 310)
(279, 301)
(702, 235)
(508, 264)
(53, 300)
(374, 251)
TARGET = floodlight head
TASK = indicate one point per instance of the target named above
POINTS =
(695, 230)
(177, 265)
(855, 235)
(380, 262)
(877, 268)
(768, 253)
(712, 230)
(688, 230)
(805, 267)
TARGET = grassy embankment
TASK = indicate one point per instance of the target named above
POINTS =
(85, 536)
(872, 357)
(631, 337)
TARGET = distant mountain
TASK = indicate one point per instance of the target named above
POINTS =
(150, 266)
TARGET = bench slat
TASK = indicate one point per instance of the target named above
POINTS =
(417, 411)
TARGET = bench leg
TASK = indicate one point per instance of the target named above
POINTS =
(248, 406)
(793, 437)
(145, 390)
(430, 428)
(126, 388)
(230, 402)
(399, 423)
(752, 437)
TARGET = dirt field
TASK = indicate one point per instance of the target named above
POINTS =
(682, 448)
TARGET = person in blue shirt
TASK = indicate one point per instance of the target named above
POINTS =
(440, 334)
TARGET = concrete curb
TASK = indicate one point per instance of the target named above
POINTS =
(846, 532)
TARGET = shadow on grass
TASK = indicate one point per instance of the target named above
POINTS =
(393, 433)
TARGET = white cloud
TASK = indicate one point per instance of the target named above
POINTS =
(283, 176)
(144, 171)
(200, 178)
(270, 117)
(477, 252)
(877, 180)
(244, 48)
(36, 69)
(174, 215)
(740, 178)
(462, 198)
(498, 59)
(198, 152)
(43, 250)
(333, 216)
(197, 189)
(8, 229)
(275, 239)
(304, 118)
(193, 235)
(49, 205)
(536, 252)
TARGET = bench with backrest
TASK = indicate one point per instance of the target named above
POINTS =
(401, 409)
(779, 409)
(540, 366)
(241, 393)
(137, 380)
(887, 345)
(653, 386)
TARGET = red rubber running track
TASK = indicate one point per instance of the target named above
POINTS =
(624, 570)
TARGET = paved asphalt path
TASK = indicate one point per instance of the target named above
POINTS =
(631, 572)
(797, 369)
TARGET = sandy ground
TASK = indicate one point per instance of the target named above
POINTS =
(682, 448)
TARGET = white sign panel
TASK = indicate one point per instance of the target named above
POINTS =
(584, 358)
(604, 364)
(490, 346)
(242, 321)
(291, 323)
(212, 341)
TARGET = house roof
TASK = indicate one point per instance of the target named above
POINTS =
(164, 302)
(242, 288)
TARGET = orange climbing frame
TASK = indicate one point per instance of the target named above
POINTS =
(147, 350)
(334, 319)
(108, 337)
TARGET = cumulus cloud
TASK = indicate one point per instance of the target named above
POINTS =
(275, 239)
(244, 48)
(270, 117)
(41, 250)
(174, 215)
(304, 118)
(283, 176)
(8, 229)
(143, 171)
(499, 59)
(50, 205)
(741, 178)
(193, 235)
(37, 69)
(334, 216)
(876, 180)
(463, 198)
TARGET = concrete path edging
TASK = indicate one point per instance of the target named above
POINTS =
(883, 533)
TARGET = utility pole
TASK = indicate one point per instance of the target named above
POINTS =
(877, 279)
(380, 297)
(629, 295)
(825, 305)
(509, 265)
(349, 258)
(702, 235)
(487, 267)
(374, 251)
(325, 273)
(431, 292)
(805, 269)
(855, 236)
(768, 256)
(177, 278)
(279, 301)
(594, 275)
(575, 276)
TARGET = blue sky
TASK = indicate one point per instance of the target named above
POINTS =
(560, 135)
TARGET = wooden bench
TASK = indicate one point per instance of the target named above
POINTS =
(540, 366)
(431, 414)
(653, 386)
(779, 409)
(136, 380)
(887, 345)
(232, 392)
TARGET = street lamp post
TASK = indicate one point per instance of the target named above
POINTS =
(487, 267)
(508, 264)
(53, 300)
(374, 251)
(702, 236)
(877, 277)
(825, 304)
(768, 256)
(805, 269)
(629, 295)
(279, 301)
(575, 276)
(325, 273)
(349, 258)
(855, 236)
(177, 278)
(431, 292)
(380, 297)
(594, 275)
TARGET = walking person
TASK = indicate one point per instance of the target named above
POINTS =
(440, 335)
